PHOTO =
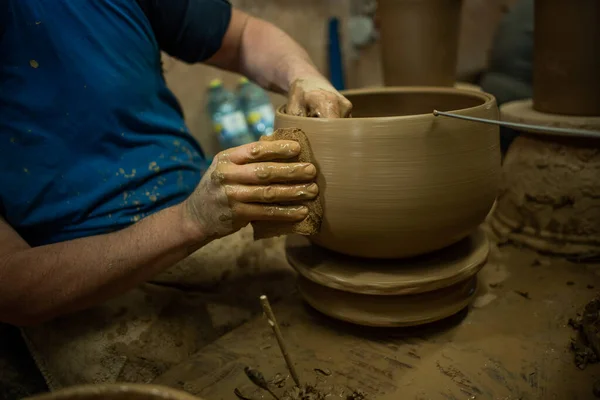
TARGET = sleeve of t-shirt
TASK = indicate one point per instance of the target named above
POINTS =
(190, 30)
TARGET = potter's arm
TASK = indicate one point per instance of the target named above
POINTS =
(213, 32)
(267, 55)
(40, 283)
(264, 53)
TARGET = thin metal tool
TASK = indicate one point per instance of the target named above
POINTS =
(536, 128)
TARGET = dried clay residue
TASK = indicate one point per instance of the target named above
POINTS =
(306, 392)
(551, 187)
(318, 391)
(586, 345)
(309, 392)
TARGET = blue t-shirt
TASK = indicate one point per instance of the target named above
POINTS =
(91, 138)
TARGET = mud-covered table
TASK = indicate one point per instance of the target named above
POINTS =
(512, 344)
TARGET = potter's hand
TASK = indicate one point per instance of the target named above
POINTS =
(241, 186)
(316, 97)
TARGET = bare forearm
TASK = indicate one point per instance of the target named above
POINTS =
(263, 53)
(268, 56)
(51, 280)
(272, 58)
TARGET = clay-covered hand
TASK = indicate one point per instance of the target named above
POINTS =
(316, 97)
(244, 183)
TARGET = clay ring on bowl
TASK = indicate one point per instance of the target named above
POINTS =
(395, 181)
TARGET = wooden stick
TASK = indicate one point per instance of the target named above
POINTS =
(273, 322)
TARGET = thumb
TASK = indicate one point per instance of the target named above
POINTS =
(295, 105)
(345, 108)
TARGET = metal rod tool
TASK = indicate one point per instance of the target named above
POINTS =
(527, 127)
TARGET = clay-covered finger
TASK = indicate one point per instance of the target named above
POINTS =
(272, 193)
(345, 108)
(266, 173)
(323, 104)
(259, 212)
(296, 104)
(263, 151)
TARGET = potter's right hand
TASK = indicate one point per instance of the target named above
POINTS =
(242, 185)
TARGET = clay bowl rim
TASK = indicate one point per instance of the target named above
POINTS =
(99, 390)
(489, 101)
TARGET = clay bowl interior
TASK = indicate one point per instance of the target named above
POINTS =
(396, 181)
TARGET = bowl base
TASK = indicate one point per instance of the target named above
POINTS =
(388, 293)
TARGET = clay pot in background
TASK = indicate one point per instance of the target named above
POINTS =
(419, 41)
(397, 181)
(116, 392)
(566, 66)
(549, 196)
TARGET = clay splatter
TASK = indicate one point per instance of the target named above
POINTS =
(153, 167)
(524, 295)
(307, 392)
(586, 346)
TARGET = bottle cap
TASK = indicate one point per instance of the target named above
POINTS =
(215, 83)
(253, 117)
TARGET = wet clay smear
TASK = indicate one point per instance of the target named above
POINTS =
(586, 345)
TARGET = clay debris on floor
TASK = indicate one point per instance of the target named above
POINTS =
(586, 344)
(281, 387)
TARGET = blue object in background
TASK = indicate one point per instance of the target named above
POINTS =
(336, 72)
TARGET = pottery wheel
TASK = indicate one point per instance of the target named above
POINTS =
(388, 311)
(388, 277)
(388, 293)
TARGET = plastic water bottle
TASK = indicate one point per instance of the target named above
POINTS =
(227, 117)
(257, 107)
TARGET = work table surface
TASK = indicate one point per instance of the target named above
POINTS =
(513, 343)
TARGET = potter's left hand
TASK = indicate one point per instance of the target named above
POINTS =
(316, 97)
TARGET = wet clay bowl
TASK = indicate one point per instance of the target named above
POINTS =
(116, 392)
(396, 181)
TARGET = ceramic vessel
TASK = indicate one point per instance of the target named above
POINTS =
(550, 193)
(117, 391)
(419, 41)
(567, 59)
(396, 181)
